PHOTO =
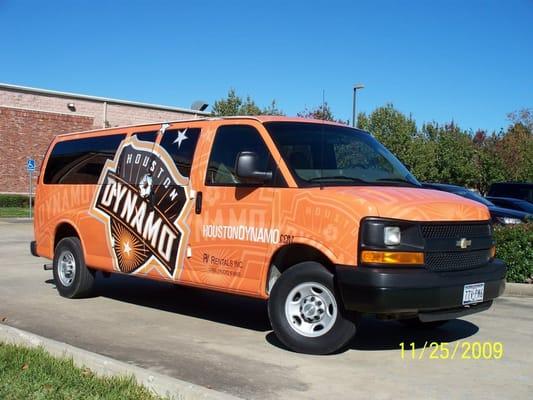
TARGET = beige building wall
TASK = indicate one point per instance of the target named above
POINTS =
(115, 112)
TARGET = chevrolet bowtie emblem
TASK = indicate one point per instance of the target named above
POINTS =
(463, 243)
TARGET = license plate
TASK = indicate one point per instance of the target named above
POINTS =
(473, 293)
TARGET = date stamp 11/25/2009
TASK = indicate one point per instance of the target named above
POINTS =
(462, 350)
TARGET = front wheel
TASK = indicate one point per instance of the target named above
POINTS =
(305, 313)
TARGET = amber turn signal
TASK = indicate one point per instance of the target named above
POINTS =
(392, 257)
(493, 252)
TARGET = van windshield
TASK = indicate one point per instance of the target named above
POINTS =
(329, 155)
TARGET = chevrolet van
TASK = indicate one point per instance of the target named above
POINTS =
(317, 218)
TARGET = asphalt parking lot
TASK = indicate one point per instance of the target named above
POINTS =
(226, 343)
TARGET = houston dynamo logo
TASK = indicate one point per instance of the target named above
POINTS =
(144, 202)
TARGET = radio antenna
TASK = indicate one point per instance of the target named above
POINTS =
(323, 103)
(322, 137)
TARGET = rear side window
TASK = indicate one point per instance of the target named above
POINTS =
(146, 136)
(180, 144)
(80, 161)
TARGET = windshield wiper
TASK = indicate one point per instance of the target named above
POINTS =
(335, 177)
(399, 180)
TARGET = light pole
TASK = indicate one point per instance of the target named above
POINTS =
(354, 116)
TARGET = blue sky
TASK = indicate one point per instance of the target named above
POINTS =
(470, 61)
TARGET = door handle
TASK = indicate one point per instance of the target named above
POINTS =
(198, 205)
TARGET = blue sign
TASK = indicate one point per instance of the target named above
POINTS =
(30, 165)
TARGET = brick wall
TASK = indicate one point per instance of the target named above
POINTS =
(30, 118)
(26, 134)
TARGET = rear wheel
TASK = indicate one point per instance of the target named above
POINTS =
(72, 277)
(305, 313)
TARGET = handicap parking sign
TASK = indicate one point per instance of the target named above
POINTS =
(30, 165)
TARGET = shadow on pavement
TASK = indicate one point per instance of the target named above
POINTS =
(249, 313)
(240, 311)
(374, 334)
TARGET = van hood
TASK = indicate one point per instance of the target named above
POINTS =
(412, 204)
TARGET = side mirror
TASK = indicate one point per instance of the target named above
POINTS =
(247, 169)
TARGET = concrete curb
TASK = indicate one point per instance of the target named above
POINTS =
(518, 289)
(16, 220)
(104, 366)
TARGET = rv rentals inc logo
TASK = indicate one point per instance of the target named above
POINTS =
(144, 202)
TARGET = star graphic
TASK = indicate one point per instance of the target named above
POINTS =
(127, 248)
(181, 137)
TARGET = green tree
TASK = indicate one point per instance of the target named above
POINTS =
(322, 112)
(272, 109)
(233, 104)
(523, 116)
(515, 149)
(454, 156)
(249, 107)
(423, 164)
(362, 121)
(392, 128)
(488, 165)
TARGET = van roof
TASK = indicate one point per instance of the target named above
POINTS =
(259, 118)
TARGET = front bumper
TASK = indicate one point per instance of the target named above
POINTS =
(393, 290)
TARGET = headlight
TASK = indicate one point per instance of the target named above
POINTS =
(392, 235)
(385, 241)
(508, 220)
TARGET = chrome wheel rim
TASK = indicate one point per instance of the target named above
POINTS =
(66, 268)
(311, 309)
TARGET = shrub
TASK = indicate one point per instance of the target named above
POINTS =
(514, 245)
(14, 200)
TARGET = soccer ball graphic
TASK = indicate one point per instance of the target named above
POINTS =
(145, 186)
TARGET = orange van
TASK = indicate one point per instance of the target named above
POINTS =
(317, 217)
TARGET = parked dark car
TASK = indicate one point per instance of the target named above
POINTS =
(499, 215)
(515, 204)
(523, 191)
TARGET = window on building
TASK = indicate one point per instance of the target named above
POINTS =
(80, 161)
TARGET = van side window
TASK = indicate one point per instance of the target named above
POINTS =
(180, 144)
(230, 140)
(80, 161)
(146, 136)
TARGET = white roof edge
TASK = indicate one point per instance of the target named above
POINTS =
(9, 86)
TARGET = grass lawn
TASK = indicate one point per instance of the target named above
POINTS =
(14, 212)
(27, 373)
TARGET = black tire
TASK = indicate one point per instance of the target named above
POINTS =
(417, 324)
(82, 280)
(341, 330)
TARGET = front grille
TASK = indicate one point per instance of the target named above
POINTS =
(456, 230)
(456, 260)
(442, 253)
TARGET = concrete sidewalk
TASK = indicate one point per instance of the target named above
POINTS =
(225, 343)
(104, 366)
